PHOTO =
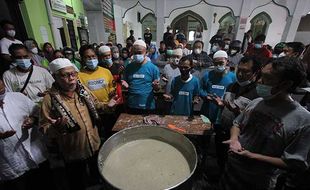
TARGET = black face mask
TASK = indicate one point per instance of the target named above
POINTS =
(162, 51)
(185, 72)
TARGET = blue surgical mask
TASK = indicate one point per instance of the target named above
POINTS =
(169, 52)
(220, 68)
(92, 64)
(139, 58)
(258, 46)
(109, 62)
(264, 91)
(214, 49)
(23, 63)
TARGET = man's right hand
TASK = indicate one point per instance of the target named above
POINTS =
(114, 101)
(234, 145)
(167, 97)
(7, 134)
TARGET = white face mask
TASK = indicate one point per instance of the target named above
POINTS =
(214, 49)
(226, 46)
(282, 54)
(11, 33)
(35, 50)
(233, 51)
(197, 51)
(244, 83)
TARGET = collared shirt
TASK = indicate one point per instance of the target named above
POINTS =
(40, 81)
(25, 149)
(78, 145)
(140, 79)
(183, 93)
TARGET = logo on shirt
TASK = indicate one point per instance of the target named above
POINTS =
(183, 93)
(138, 76)
(218, 87)
(96, 84)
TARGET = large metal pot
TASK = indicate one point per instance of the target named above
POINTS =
(178, 141)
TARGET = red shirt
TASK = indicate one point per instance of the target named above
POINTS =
(263, 53)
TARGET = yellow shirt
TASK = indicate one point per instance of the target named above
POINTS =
(99, 82)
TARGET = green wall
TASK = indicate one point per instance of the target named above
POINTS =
(78, 8)
(35, 15)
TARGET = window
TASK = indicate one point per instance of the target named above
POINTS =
(260, 24)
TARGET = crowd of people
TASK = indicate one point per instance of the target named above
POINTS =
(59, 106)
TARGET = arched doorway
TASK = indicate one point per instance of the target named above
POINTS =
(189, 23)
(260, 24)
(149, 21)
(227, 20)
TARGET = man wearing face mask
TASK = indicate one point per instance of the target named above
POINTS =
(5, 42)
(167, 33)
(259, 50)
(237, 96)
(125, 57)
(33, 50)
(234, 55)
(163, 59)
(29, 79)
(272, 132)
(213, 86)
(115, 55)
(293, 49)
(100, 82)
(115, 68)
(184, 90)
(227, 42)
(142, 77)
(169, 73)
(171, 69)
(200, 58)
(69, 53)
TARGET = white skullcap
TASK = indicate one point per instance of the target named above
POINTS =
(60, 63)
(177, 52)
(104, 49)
(140, 43)
(220, 53)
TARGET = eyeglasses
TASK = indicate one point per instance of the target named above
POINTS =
(68, 75)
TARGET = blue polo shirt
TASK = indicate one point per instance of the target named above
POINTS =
(183, 94)
(140, 79)
(211, 83)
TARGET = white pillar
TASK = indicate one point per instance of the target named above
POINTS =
(52, 24)
(96, 26)
(160, 15)
(243, 16)
(292, 23)
(118, 24)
